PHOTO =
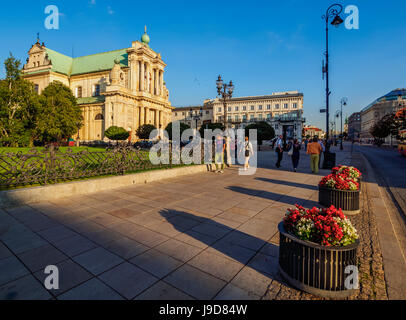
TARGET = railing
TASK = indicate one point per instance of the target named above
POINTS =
(47, 166)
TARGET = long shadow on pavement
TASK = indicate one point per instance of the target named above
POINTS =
(274, 196)
(234, 244)
(288, 183)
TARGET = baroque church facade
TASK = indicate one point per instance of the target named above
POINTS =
(123, 88)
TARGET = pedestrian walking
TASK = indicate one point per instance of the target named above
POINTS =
(248, 152)
(219, 154)
(314, 149)
(295, 154)
(306, 142)
(323, 148)
(279, 150)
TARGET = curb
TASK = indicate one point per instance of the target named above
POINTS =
(29, 195)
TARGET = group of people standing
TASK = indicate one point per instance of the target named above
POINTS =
(224, 145)
(314, 148)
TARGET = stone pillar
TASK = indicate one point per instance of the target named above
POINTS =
(161, 122)
(142, 115)
(156, 118)
(162, 83)
(142, 80)
(146, 115)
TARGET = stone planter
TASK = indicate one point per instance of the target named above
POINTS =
(348, 201)
(313, 268)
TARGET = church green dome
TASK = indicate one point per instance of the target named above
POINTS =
(145, 37)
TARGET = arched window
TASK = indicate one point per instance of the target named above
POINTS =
(99, 116)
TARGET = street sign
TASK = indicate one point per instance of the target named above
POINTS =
(323, 110)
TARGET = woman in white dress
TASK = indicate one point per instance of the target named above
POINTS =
(248, 152)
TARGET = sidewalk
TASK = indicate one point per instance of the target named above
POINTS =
(206, 236)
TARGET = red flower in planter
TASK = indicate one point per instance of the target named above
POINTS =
(326, 226)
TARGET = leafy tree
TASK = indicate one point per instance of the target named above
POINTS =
(383, 127)
(19, 107)
(60, 116)
(211, 126)
(264, 131)
(144, 131)
(117, 133)
(183, 127)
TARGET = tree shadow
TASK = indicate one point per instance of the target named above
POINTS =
(274, 196)
(288, 183)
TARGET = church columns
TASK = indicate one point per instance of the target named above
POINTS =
(142, 116)
(147, 111)
(161, 85)
(142, 80)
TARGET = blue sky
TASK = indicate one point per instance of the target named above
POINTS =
(263, 46)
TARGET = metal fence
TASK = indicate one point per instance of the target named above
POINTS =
(50, 165)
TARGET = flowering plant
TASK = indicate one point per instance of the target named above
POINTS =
(342, 178)
(351, 172)
(325, 226)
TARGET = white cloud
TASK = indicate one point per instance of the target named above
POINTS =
(109, 10)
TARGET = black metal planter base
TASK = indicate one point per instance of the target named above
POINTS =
(348, 201)
(313, 268)
(317, 292)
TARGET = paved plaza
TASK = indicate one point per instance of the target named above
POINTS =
(202, 236)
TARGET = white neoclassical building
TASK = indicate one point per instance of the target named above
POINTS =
(123, 87)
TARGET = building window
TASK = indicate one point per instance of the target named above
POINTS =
(99, 116)
(252, 117)
(268, 107)
(268, 116)
(78, 92)
(252, 107)
(260, 107)
(183, 113)
(229, 118)
(277, 106)
(236, 108)
(229, 109)
(244, 118)
(176, 114)
(237, 118)
(96, 91)
(285, 106)
(219, 109)
(36, 88)
(260, 116)
(244, 108)
(207, 112)
(294, 106)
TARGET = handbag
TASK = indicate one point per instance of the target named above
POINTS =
(290, 153)
(247, 152)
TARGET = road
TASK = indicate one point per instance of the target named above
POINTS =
(391, 167)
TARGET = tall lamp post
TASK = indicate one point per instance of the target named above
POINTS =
(343, 102)
(196, 117)
(332, 13)
(225, 91)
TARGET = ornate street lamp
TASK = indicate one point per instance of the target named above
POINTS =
(225, 91)
(343, 102)
(196, 117)
(332, 13)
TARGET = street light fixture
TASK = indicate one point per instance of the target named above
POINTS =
(343, 102)
(225, 91)
(196, 117)
(332, 13)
